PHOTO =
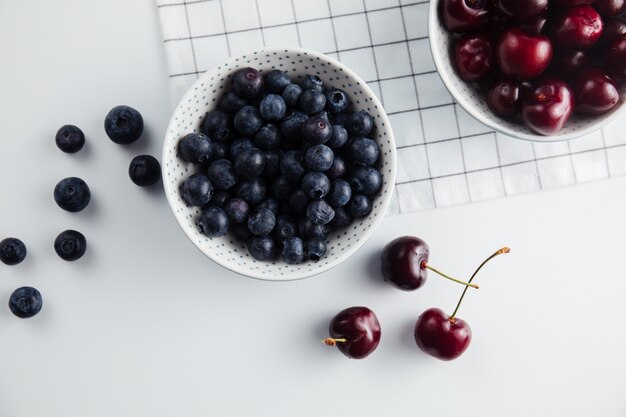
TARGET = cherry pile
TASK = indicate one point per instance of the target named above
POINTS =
(540, 60)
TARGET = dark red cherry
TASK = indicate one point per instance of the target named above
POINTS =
(568, 3)
(534, 26)
(569, 63)
(498, 22)
(503, 99)
(464, 15)
(549, 107)
(473, 56)
(522, 9)
(610, 7)
(403, 262)
(595, 92)
(613, 29)
(616, 58)
(355, 331)
(440, 336)
(522, 56)
(579, 27)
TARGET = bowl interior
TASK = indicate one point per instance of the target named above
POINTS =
(473, 101)
(203, 97)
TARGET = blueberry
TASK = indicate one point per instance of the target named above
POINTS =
(70, 245)
(197, 190)
(273, 107)
(222, 174)
(268, 203)
(291, 94)
(298, 201)
(320, 212)
(70, 139)
(312, 82)
(281, 188)
(284, 228)
(315, 249)
(249, 163)
(239, 145)
(213, 222)
(316, 130)
(292, 165)
(290, 126)
(237, 210)
(312, 101)
(337, 169)
(341, 219)
(248, 120)
(262, 248)
(220, 197)
(341, 119)
(72, 194)
(325, 116)
(217, 125)
(268, 137)
(240, 231)
(362, 151)
(319, 158)
(340, 193)
(261, 222)
(359, 206)
(307, 229)
(366, 180)
(272, 163)
(252, 190)
(123, 125)
(144, 170)
(293, 250)
(360, 123)
(276, 81)
(315, 184)
(25, 302)
(231, 102)
(12, 251)
(338, 138)
(248, 82)
(220, 150)
(195, 147)
(336, 100)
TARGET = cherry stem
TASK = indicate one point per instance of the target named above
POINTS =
(467, 284)
(496, 253)
(329, 341)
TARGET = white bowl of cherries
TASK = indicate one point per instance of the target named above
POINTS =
(537, 69)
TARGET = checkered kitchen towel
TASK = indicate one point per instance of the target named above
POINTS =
(445, 156)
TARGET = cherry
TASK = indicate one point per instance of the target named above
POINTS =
(595, 92)
(464, 15)
(549, 106)
(405, 263)
(446, 337)
(569, 63)
(355, 331)
(473, 56)
(503, 99)
(610, 7)
(579, 27)
(522, 10)
(522, 56)
(613, 30)
(534, 26)
(616, 58)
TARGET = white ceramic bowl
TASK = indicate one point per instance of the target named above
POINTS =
(203, 97)
(475, 104)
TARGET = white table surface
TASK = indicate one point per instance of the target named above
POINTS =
(145, 325)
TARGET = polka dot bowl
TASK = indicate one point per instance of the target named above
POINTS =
(203, 97)
(474, 102)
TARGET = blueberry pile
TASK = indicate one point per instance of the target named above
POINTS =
(281, 164)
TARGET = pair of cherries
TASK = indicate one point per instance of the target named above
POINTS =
(356, 330)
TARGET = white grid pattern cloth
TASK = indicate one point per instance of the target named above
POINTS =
(445, 157)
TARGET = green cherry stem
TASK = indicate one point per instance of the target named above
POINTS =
(496, 253)
(467, 284)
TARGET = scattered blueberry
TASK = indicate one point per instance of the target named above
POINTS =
(268, 137)
(307, 229)
(213, 222)
(337, 169)
(239, 145)
(292, 166)
(358, 206)
(248, 82)
(273, 107)
(291, 124)
(341, 119)
(217, 125)
(276, 81)
(25, 302)
(70, 139)
(248, 120)
(362, 151)
(320, 212)
(312, 101)
(316, 130)
(12, 251)
(336, 100)
(220, 197)
(195, 147)
(341, 219)
(240, 231)
(231, 102)
(293, 250)
(291, 94)
(284, 228)
(262, 248)
(360, 123)
(123, 125)
(237, 210)
(144, 170)
(272, 163)
(338, 138)
(252, 190)
(261, 222)
(222, 174)
(315, 249)
(249, 163)
(72, 194)
(315, 184)
(220, 150)
(319, 158)
(70, 245)
(340, 193)
(268, 203)
(366, 180)
(197, 190)
(281, 188)
(312, 82)
(299, 201)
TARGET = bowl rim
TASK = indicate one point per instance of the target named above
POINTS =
(433, 16)
(386, 198)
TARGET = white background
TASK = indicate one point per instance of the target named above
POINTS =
(145, 325)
